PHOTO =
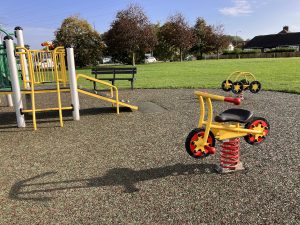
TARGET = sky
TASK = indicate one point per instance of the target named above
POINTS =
(244, 18)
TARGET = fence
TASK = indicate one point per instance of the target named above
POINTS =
(254, 55)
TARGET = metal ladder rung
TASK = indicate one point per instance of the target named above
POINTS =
(46, 109)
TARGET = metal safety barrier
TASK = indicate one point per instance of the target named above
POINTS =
(41, 67)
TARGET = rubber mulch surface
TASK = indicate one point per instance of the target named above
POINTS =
(132, 168)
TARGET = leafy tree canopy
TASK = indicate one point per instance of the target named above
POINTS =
(80, 35)
(130, 33)
(177, 33)
(204, 38)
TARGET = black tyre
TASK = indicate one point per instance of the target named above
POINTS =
(245, 83)
(193, 138)
(255, 86)
(260, 124)
(237, 87)
(226, 85)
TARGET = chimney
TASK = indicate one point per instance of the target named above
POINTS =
(286, 28)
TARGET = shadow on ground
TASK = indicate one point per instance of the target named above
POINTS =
(8, 119)
(31, 189)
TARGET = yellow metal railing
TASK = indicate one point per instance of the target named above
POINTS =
(112, 89)
(43, 66)
(114, 94)
(60, 65)
(39, 67)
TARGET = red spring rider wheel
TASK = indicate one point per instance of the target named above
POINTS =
(259, 124)
(195, 139)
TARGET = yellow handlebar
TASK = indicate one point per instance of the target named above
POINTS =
(235, 101)
(207, 95)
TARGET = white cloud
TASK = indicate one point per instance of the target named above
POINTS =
(240, 7)
(294, 28)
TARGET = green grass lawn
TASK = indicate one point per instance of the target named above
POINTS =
(280, 74)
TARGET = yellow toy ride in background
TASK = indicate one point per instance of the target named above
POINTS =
(240, 81)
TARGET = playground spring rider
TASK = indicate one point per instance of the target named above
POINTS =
(227, 128)
(238, 82)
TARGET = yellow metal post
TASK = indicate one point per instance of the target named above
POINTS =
(202, 111)
(58, 87)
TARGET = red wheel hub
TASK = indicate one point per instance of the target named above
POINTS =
(195, 139)
(261, 126)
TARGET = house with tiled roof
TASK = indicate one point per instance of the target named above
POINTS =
(284, 38)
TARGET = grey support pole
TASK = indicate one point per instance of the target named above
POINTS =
(20, 42)
(73, 83)
(9, 100)
(17, 98)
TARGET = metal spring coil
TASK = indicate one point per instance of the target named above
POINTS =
(230, 154)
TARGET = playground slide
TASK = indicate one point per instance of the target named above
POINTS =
(114, 95)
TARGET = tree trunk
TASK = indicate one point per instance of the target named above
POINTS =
(133, 59)
(180, 50)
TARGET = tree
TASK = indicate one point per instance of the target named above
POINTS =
(163, 50)
(79, 34)
(130, 33)
(237, 41)
(220, 40)
(203, 34)
(177, 33)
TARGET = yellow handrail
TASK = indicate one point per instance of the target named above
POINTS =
(104, 83)
(96, 80)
